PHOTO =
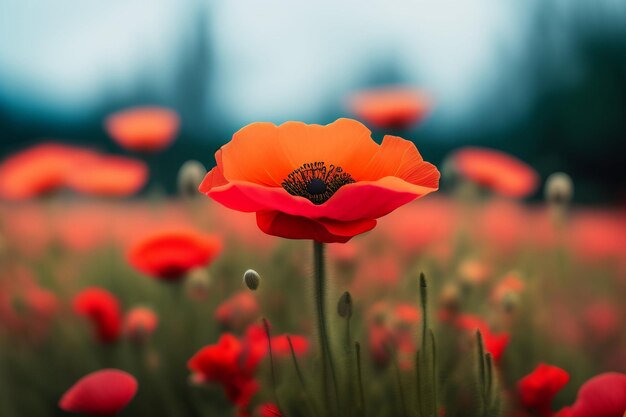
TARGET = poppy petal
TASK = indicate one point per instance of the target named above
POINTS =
(280, 224)
(356, 201)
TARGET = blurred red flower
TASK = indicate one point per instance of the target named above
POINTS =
(102, 393)
(39, 170)
(498, 171)
(230, 363)
(494, 343)
(280, 345)
(143, 129)
(268, 410)
(393, 107)
(140, 323)
(238, 311)
(602, 396)
(538, 388)
(108, 176)
(171, 255)
(329, 192)
(103, 310)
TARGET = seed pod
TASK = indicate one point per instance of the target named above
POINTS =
(559, 189)
(252, 279)
(344, 306)
(190, 175)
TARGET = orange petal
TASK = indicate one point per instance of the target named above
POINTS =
(265, 154)
(400, 158)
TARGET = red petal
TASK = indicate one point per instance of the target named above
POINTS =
(101, 393)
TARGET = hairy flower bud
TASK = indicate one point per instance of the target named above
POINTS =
(559, 188)
(252, 279)
(190, 175)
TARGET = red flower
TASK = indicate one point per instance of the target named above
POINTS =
(390, 108)
(281, 349)
(231, 363)
(109, 176)
(170, 255)
(38, 170)
(494, 343)
(326, 183)
(602, 396)
(102, 393)
(538, 388)
(237, 311)
(269, 410)
(140, 323)
(143, 129)
(502, 173)
(102, 309)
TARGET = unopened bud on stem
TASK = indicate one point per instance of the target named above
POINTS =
(344, 306)
(559, 189)
(190, 175)
(252, 279)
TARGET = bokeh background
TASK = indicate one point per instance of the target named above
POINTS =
(542, 79)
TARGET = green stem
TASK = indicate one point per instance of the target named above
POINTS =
(303, 384)
(320, 304)
(357, 347)
(266, 326)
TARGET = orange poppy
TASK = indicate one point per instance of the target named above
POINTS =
(109, 176)
(391, 107)
(498, 171)
(326, 183)
(143, 129)
(39, 170)
(170, 255)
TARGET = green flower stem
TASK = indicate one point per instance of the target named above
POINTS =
(320, 305)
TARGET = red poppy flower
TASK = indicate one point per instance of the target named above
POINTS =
(109, 176)
(391, 107)
(326, 183)
(170, 255)
(498, 171)
(494, 343)
(269, 410)
(38, 170)
(232, 364)
(143, 129)
(103, 310)
(238, 311)
(602, 396)
(140, 323)
(510, 284)
(102, 393)
(280, 345)
(538, 388)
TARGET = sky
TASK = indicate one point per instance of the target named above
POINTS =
(271, 60)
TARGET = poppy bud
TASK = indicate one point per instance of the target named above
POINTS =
(344, 306)
(190, 175)
(139, 324)
(252, 279)
(197, 283)
(559, 189)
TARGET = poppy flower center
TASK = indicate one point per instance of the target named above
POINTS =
(316, 181)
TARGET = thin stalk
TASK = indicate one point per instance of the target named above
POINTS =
(405, 411)
(357, 348)
(424, 305)
(348, 348)
(320, 303)
(434, 370)
(481, 369)
(266, 325)
(303, 384)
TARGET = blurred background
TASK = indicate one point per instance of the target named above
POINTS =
(542, 79)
